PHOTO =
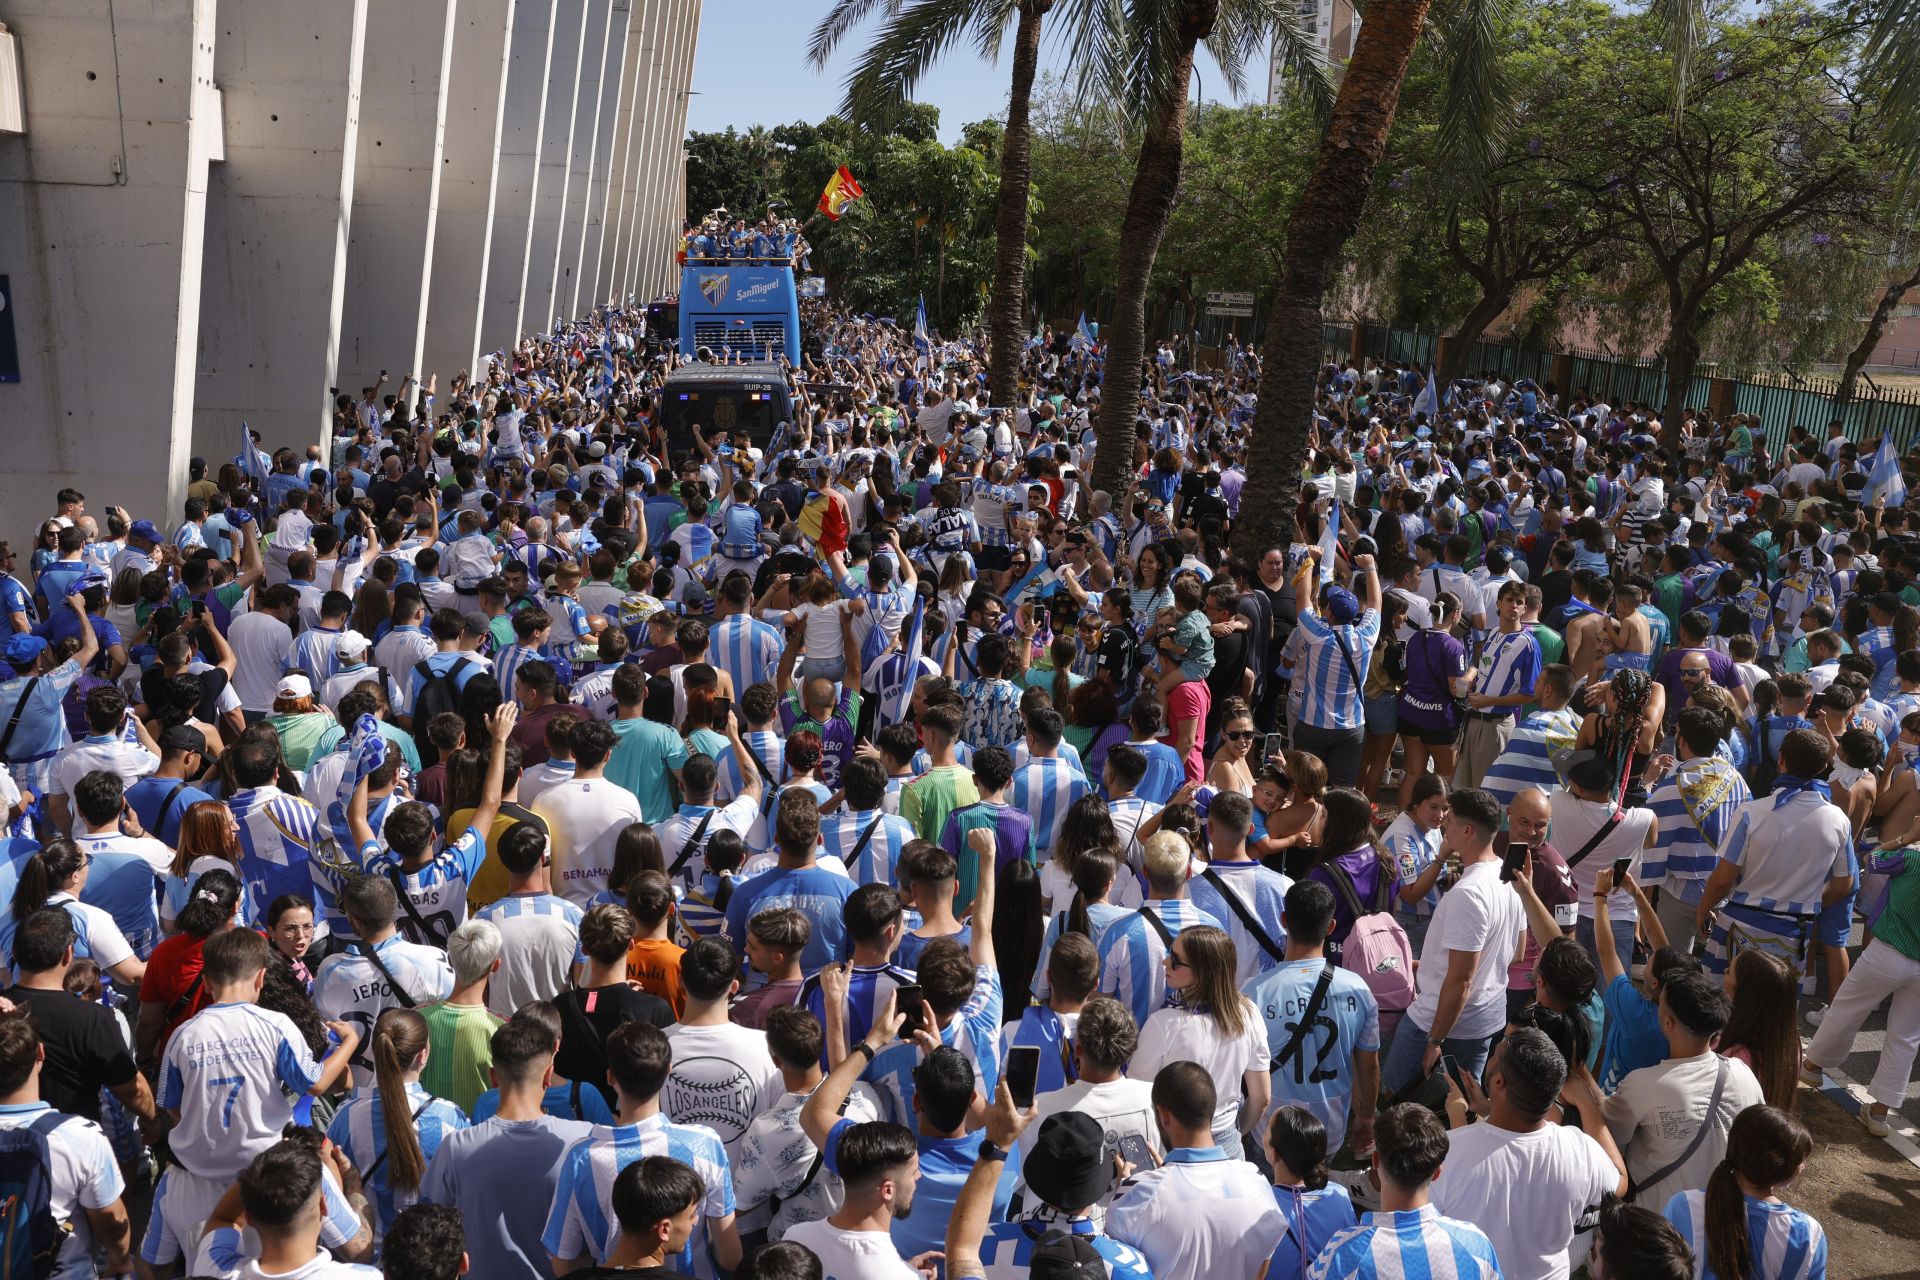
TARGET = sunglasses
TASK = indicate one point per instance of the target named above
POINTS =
(1244, 735)
(1174, 961)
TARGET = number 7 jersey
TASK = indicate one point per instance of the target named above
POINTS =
(233, 1072)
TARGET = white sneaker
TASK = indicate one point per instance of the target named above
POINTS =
(1877, 1125)
(1816, 1015)
(1393, 778)
(1812, 1075)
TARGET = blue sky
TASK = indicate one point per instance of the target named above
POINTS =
(751, 68)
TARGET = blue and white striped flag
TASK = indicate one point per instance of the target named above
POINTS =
(921, 341)
(249, 456)
(1884, 479)
(1330, 542)
(895, 700)
(1082, 340)
(1428, 401)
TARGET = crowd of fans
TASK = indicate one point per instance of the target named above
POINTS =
(498, 844)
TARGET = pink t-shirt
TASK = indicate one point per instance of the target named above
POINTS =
(1190, 700)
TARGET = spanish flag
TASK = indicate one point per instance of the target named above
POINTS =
(840, 192)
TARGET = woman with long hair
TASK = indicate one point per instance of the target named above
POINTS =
(1019, 924)
(1411, 845)
(390, 1132)
(1739, 1227)
(1763, 1028)
(372, 611)
(1088, 827)
(1427, 717)
(46, 548)
(209, 840)
(1094, 724)
(55, 876)
(176, 702)
(172, 990)
(1152, 588)
(1214, 1026)
(1287, 837)
(289, 924)
(1351, 863)
(298, 721)
(1624, 731)
(1315, 1207)
(1089, 913)
(705, 729)
(1232, 768)
(636, 849)
(1058, 679)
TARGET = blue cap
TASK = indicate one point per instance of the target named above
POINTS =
(143, 529)
(1342, 605)
(22, 649)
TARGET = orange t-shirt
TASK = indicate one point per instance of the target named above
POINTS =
(654, 963)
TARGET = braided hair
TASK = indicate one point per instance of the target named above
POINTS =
(1631, 692)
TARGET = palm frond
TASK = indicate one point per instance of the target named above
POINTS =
(1685, 24)
(1247, 29)
(991, 26)
(1476, 109)
(842, 18)
(1892, 61)
(913, 40)
(1094, 35)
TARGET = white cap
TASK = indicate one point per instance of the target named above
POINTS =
(351, 642)
(294, 686)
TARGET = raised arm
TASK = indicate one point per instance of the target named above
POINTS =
(981, 842)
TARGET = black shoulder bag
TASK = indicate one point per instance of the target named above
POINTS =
(1159, 926)
(429, 936)
(853, 858)
(775, 1199)
(1247, 917)
(1594, 840)
(381, 1159)
(400, 993)
(1315, 1002)
(693, 842)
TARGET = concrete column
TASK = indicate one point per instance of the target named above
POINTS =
(570, 24)
(516, 178)
(463, 235)
(408, 53)
(625, 152)
(613, 83)
(277, 220)
(102, 218)
(659, 139)
(598, 42)
(670, 213)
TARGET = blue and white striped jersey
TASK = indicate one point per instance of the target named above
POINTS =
(1787, 846)
(315, 652)
(1101, 916)
(868, 987)
(1509, 665)
(974, 1031)
(1046, 788)
(1787, 1243)
(1132, 956)
(359, 1128)
(1330, 690)
(1129, 814)
(581, 1222)
(842, 830)
(233, 1073)
(1415, 1244)
(438, 891)
(278, 833)
(1695, 807)
(747, 649)
(509, 662)
(1263, 892)
(1527, 761)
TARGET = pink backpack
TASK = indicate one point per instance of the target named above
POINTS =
(1377, 949)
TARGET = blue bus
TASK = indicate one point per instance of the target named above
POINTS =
(744, 307)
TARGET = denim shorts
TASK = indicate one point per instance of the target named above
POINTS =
(1835, 924)
(1383, 714)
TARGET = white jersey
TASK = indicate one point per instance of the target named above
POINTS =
(349, 988)
(233, 1073)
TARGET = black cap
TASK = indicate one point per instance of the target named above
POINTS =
(184, 737)
(1067, 1166)
(1065, 1256)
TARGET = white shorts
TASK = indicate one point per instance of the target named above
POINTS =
(181, 1204)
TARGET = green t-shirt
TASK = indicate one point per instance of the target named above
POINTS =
(300, 736)
(925, 803)
(1741, 445)
(1553, 645)
(1899, 924)
(642, 762)
(459, 1052)
(1668, 594)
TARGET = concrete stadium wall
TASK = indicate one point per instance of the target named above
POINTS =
(221, 210)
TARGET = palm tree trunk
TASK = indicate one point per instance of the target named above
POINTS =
(1156, 181)
(1327, 214)
(1876, 329)
(1006, 311)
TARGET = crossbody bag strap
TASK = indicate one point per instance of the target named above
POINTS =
(775, 1200)
(400, 993)
(1159, 925)
(1346, 651)
(1604, 830)
(13, 721)
(160, 821)
(1315, 1003)
(860, 848)
(693, 842)
(1247, 917)
(381, 1159)
(427, 932)
(1693, 1145)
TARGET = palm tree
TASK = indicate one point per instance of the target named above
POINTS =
(912, 41)
(1329, 211)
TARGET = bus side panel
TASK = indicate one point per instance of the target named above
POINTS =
(739, 308)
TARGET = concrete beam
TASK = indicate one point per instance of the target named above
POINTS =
(658, 135)
(463, 236)
(586, 127)
(516, 178)
(621, 162)
(661, 232)
(613, 82)
(556, 163)
(408, 52)
(102, 218)
(277, 218)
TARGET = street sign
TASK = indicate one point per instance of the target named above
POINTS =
(1219, 298)
(1224, 309)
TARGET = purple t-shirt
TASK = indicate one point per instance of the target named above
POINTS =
(836, 734)
(1363, 870)
(1433, 658)
(1720, 668)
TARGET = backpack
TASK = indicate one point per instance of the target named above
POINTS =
(1377, 950)
(438, 693)
(30, 1238)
